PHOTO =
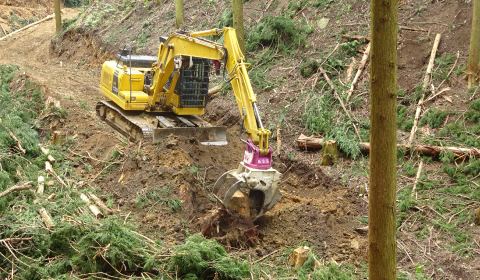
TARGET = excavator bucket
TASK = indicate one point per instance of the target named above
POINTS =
(213, 135)
(262, 187)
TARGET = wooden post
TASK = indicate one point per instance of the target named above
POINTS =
(179, 19)
(58, 16)
(237, 9)
(473, 66)
(382, 258)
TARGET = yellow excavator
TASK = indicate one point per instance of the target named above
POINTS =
(155, 96)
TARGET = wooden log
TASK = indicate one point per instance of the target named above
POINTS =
(356, 37)
(19, 187)
(19, 144)
(312, 143)
(309, 143)
(41, 184)
(26, 27)
(429, 150)
(214, 90)
(47, 152)
(330, 153)
(426, 82)
(51, 197)
(350, 68)
(239, 204)
(59, 137)
(84, 198)
(419, 172)
(364, 60)
(299, 257)
(98, 214)
(47, 220)
(100, 203)
(4, 31)
(49, 169)
(413, 29)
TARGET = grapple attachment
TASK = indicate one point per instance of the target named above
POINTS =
(262, 186)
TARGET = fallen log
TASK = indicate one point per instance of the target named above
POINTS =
(41, 185)
(98, 214)
(19, 144)
(214, 90)
(426, 82)
(47, 152)
(309, 143)
(364, 60)
(51, 197)
(100, 203)
(429, 150)
(26, 27)
(47, 220)
(356, 37)
(4, 31)
(312, 143)
(49, 169)
(19, 187)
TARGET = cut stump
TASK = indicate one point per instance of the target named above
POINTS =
(330, 153)
(299, 257)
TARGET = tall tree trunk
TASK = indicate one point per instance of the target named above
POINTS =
(158, 2)
(90, 2)
(179, 19)
(58, 16)
(383, 139)
(237, 9)
(474, 55)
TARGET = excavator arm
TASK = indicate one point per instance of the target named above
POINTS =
(184, 52)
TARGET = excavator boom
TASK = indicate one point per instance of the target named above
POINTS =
(156, 96)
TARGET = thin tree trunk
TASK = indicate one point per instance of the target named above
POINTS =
(179, 19)
(383, 136)
(474, 54)
(58, 16)
(237, 9)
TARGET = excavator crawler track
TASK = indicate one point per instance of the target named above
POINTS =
(157, 126)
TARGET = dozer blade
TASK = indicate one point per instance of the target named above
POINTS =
(261, 185)
(213, 135)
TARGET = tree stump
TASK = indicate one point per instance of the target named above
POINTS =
(232, 226)
(476, 216)
(330, 153)
(299, 257)
(59, 137)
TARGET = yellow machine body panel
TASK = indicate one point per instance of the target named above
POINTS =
(115, 84)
